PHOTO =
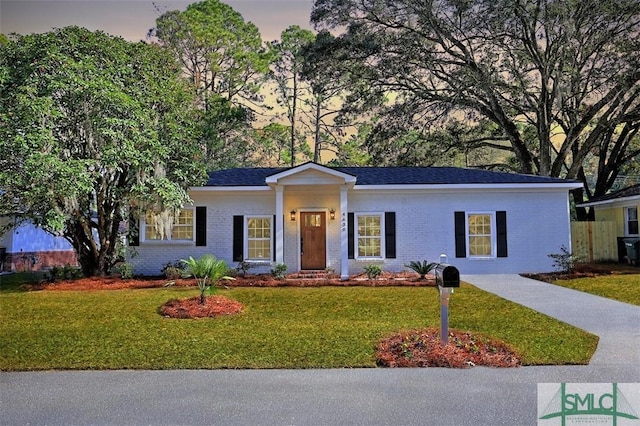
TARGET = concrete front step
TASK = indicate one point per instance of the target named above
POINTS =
(310, 275)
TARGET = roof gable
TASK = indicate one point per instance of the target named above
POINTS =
(310, 173)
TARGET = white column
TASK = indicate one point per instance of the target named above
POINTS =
(279, 224)
(344, 235)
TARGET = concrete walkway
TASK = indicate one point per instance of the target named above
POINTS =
(431, 396)
(617, 324)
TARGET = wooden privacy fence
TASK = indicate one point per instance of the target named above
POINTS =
(594, 241)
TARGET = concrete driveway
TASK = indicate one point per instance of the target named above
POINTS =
(433, 396)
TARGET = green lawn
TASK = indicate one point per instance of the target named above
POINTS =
(322, 327)
(624, 288)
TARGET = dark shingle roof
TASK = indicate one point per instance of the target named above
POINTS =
(623, 193)
(242, 177)
(385, 176)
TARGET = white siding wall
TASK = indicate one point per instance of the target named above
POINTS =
(537, 225)
(29, 238)
(221, 207)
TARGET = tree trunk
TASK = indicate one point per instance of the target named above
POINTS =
(293, 120)
(582, 214)
(316, 144)
(95, 259)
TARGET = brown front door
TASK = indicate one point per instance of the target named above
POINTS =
(313, 241)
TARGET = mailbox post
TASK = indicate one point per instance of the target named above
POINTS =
(447, 278)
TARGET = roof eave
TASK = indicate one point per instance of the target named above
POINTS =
(519, 186)
(610, 201)
(213, 188)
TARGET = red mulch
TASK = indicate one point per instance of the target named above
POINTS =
(258, 280)
(387, 279)
(423, 348)
(585, 270)
(214, 306)
(110, 283)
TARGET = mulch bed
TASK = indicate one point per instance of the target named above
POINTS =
(214, 306)
(257, 280)
(423, 348)
(585, 270)
(110, 283)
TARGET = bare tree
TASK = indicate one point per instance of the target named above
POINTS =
(568, 71)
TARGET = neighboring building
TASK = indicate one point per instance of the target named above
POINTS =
(312, 217)
(25, 247)
(620, 207)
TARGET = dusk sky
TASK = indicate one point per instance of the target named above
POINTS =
(132, 18)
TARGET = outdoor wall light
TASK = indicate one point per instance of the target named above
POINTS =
(292, 215)
(332, 214)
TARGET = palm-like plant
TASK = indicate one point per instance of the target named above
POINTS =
(207, 270)
(422, 268)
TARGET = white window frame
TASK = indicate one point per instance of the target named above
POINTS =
(356, 235)
(143, 231)
(493, 235)
(246, 239)
(627, 219)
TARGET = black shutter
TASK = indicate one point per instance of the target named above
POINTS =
(390, 235)
(350, 236)
(133, 236)
(273, 236)
(460, 232)
(238, 238)
(501, 225)
(201, 226)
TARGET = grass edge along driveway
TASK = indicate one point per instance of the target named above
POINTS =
(325, 327)
(621, 287)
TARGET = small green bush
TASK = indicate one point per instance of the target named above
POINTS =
(279, 271)
(60, 273)
(173, 270)
(207, 270)
(125, 270)
(243, 268)
(373, 271)
(564, 261)
(422, 268)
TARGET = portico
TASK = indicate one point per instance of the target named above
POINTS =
(292, 188)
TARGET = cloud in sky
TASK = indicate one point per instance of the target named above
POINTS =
(133, 18)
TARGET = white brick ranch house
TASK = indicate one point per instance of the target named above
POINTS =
(313, 217)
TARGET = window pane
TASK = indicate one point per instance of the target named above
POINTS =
(259, 238)
(369, 236)
(632, 220)
(151, 232)
(480, 237)
(479, 224)
(183, 226)
(181, 229)
(313, 220)
(369, 226)
(259, 249)
(480, 246)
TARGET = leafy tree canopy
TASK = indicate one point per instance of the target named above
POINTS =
(562, 71)
(220, 52)
(286, 69)
(89, 125)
